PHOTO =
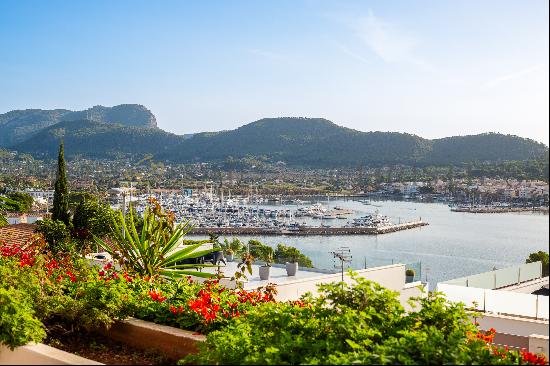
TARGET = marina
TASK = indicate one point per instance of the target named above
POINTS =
(454, 244)
(212, 214)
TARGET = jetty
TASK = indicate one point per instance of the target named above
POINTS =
(303, 231)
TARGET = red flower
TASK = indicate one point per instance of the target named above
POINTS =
(156, 296)
(71, 276)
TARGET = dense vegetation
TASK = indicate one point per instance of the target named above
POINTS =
(361, 323)
(19, 125)
(98, 140)
(307, 142)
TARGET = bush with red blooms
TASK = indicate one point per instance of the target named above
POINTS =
(62, 288)
(197, 306)
(360, 323)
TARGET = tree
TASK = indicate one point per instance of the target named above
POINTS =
(23, 201)
(60, 209)
(55, 232)
(92, 217)
(542, 257)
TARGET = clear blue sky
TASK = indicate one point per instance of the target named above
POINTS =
(432, 68)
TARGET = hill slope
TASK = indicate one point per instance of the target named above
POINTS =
(301, 141)
(308, 142)
(20, 125)
(98, 140)
(320, 143)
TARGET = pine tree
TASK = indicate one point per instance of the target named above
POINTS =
(60, 209)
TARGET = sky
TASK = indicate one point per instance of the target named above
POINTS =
(431, 68)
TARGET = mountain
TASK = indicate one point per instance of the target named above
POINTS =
(307, 142)
(19, 125)
(317, 142)
(301, 141)
(98, 140)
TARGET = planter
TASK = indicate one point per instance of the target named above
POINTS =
(409, 279)
(172, 342)
(229, 257)
(291, 268)
(41, 354)
(264, 273)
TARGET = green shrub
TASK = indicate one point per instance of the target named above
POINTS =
(542, 257)
(18, 325)
(350, 324)
(285, 253)
(56, 234)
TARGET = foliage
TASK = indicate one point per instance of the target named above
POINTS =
(285, 253)
(361, 323)
(63, 289)
(18, 325)
(281, 255)
(311, 142)
(232, 247)
(266, 255)
(244, 266)
(155, 250)
(409, 272)
(20, 125)
(60, 210)
(56, 234)
(92, 217)
(542, 257)
(18, 202)
(196, 306)
(256, 248)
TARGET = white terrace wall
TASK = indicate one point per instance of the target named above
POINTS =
(391, 277)
(41, 354)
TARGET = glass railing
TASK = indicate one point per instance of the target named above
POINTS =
(500, 278)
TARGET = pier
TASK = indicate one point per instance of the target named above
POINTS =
(308, 230)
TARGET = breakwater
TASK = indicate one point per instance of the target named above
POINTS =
(308, 230)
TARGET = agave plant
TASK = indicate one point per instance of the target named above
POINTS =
(154, 251)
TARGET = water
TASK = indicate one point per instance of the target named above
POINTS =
(453, 245)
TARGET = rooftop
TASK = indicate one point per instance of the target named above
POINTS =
(19, 234)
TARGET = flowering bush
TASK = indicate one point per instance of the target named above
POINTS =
(197, 306)
(355, 324)
(62, 288)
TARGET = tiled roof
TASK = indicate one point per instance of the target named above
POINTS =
(17, 234)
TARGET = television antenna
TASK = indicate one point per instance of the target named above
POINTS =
(342, 255)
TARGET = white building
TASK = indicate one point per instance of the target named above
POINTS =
(524, 192)
(46, 195)
(513, 300)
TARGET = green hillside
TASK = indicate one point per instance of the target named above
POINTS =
(307, 142)
(20, 125)
(98, 140)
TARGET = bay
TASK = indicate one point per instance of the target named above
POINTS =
(453, 245)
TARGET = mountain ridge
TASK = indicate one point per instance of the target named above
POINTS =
(19, 125)
(298, 141)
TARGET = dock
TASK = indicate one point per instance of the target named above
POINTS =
(308, 230)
